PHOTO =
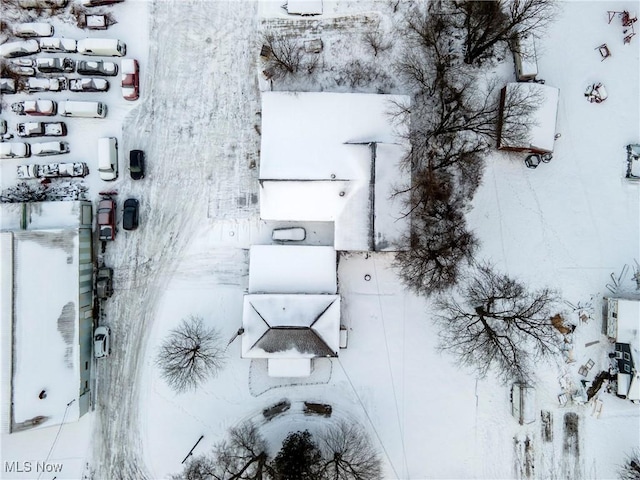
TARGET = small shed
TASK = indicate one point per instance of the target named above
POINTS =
(541, 133)
(304, 7)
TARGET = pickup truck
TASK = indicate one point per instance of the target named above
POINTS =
(42, 129)
(107, 219)
(104, 282)
(46, 84)
(52, 170)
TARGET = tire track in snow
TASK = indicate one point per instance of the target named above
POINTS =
(191, 109)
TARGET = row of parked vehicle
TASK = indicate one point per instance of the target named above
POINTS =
(129, 78)
(52, 170)
(25, 150)
(101, 47)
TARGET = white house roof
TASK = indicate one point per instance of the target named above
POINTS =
(46, 347)
(292, 269)
(316, 163)
(542, 129)
(304, 7)
(628, 321)
(290, 326)
(42, 215)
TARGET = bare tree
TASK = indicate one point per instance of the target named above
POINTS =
(489, 22)
(242, 456)
(499, 323)
(348, 453)
(285, 55)
(377, 40)
(630, 470)
(190, 354)
(439, 243)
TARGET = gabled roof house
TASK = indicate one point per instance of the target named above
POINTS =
(291, 314)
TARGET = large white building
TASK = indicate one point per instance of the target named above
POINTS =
(335, 157)
(46, 318)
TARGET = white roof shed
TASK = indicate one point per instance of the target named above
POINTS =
(542, 124)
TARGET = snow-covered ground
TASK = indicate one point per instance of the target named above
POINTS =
(568, 224)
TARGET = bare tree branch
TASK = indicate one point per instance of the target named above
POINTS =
(190, 354)
(500, 323)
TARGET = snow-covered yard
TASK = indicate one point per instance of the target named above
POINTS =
(568, 224)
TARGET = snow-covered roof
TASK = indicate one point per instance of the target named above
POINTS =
(46, 328)
(290, 326)
(629, 322)
(317, 155)
(44, 215)
(292, 269)
(289, 367)
(304, 7)
(542, 129)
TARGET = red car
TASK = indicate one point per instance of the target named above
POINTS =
(107, 219)
(130, 78)
(35, 107)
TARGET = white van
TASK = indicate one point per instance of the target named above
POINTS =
(103, 47)
(523, 403)
(49, 148)
(108, 158)
(28, 30)
(74, 108)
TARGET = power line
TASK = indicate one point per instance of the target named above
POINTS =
(55, 440)
(393, 387)
(368, 418)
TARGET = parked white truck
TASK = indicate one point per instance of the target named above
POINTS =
(42, 129)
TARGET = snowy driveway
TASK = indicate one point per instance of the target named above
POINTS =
(195, 123)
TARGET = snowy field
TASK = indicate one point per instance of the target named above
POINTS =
(568, 224)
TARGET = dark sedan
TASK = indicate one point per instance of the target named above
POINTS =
(130, 214)
(136, 164)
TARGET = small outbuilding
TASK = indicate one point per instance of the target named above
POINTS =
(541, 122)
(623, 327)
(304, 7)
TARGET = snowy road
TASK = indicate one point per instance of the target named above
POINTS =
(195, 123)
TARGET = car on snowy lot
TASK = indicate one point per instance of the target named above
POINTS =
(523, 403)
(101, 342)
(3, 126)
(7, 85)
(102, 47)
(49, 148)
(130, 213)
(22, 66)
(53, 170)
(14, 150)
(130, 80)
(46, 84)
(42, 3)
(88, 85)
(55, 65)
(42, 129)
(136, 164)
(58, 45)
(35, 107)
(97, 3)
(19, 49)
(97, 67)
(107, 219)
(73, 108)
(33, 29)
(104, 282)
